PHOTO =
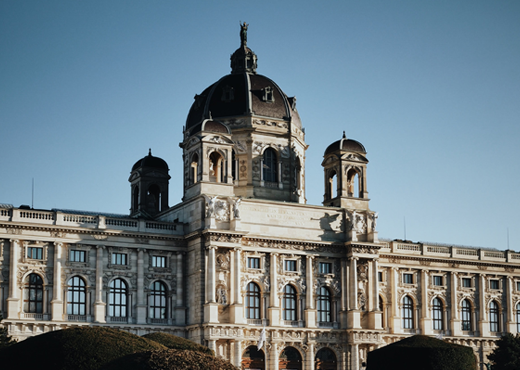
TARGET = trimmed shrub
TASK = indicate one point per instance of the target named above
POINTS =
(175, 342)
(422, 352)
(84, 348)
(169, 359)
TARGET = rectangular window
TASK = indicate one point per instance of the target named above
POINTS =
(158, 261)
(518, 285)
(290, 265)
(35, 253)
(380, 276)
(408, 278)
(493, 284)
(253, 262)
(325, 268)
(77, 256)
(466, 282)
(437, 280)
(119, 259)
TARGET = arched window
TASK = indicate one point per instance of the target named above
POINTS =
(332, 185)
(518, 317)
(289, 303)
(154, 198)
(324, 305)
(270, 166)
(33, 294)
(382, 309)
(158, 307)
(135, 198)
(353, 183)
(253, 301)
(466, 315)
(438, 322)
(194, 169)
(76, 296)
(290, 358)
(493, 317)
(325, 359)
(117, 298)
(234, 167)
(407, 312)
(216, 168)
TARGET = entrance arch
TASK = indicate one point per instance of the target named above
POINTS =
(291, 359)
(325, 360)
(253, 359)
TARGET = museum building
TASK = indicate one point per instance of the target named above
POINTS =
(243, 252)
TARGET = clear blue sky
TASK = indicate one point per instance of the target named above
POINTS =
(431, 88)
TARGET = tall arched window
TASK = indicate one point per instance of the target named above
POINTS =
(332, 185)
(270, 166)
(76, 296)
(117, 298)
(216, 168)
(234, 167)
(289, 303)
(493, 317)
(353, 183)
(253, 301)
(466, 315)
(382, 309)
(33, 294)
(518, 317)
(154, 198)
(324, 305)
(135, 198)
(158, 306)
(438, 322)
(407, 312)
(194, 169)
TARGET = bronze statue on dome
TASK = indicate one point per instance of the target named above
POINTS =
(243, 33)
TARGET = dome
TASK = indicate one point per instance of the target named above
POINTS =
(242, 92)
(151, 162)
(347, 145)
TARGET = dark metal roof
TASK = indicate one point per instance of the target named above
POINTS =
(151, 162)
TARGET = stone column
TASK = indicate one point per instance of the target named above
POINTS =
(273, 357)
(344, 289)
(211, 306)
(395, 316)
(425, 321)
(456, 324)
(57, 300)
(375, 319)
(237, 353)
(483, 322)
(180, 309)
(274, 309)
(237, 308)
(13, 300)
(309, 357)
(354, 317)
(310, 310)
(510, 326)
(354, 357)
(99, 304)
(141, 298)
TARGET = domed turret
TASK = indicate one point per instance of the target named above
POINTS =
(149, 183)
(267, 153)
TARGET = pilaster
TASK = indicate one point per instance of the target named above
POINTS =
(237, 308)
(310, 311)
(456, 324)
(57, 301)
(425, 321)
(211, 306)
(99, 305)
(13, 300)
(483, 323)
(354, 316)
(141, 303)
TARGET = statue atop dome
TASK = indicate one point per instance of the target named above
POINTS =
(243, 34)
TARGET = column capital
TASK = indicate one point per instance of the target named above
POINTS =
(17, 241)
(101, 247)
(237, 249)
(59, 244)
(353, 258)
(210, 247)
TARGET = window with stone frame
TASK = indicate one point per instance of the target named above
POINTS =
(289, 303)
(438, 314)
(119, 259)
(494, 324)
(253, 262)
(76, 255)
(159, 261)
(253, 301)
(158, 308)
(467, 282)
(466, 315)
(407, 313)
(408, 278)
(76, 296)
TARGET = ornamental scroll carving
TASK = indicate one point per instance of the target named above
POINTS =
(362, 271)
(217, 208)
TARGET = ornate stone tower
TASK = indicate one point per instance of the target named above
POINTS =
(260, 141)
(345, 170)
(149, 183)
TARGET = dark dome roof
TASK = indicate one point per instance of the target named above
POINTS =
(347, 145)
(243, 92)
(151, 162)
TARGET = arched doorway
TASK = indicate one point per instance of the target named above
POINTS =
(325, 360)
(253, 359)
(291, 359)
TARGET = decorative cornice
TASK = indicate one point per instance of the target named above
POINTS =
(451, 263)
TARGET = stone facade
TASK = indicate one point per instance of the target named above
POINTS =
(243, 252)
